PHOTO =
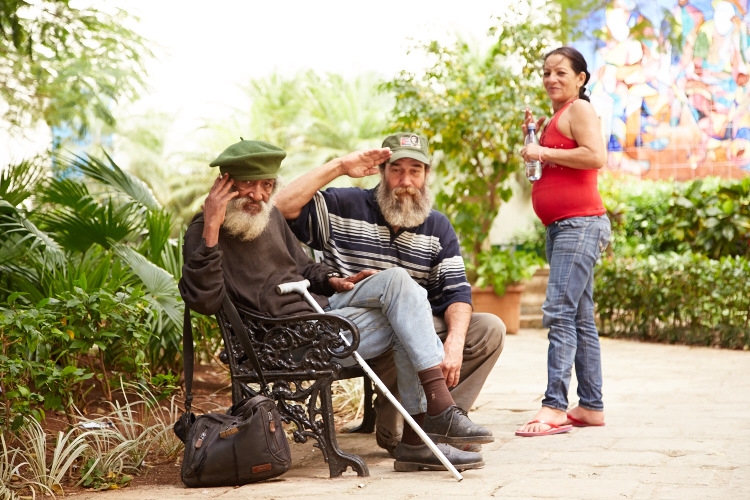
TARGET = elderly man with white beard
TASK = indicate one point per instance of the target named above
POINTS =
(240, 245)
(394, 226)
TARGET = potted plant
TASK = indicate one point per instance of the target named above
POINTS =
(498, 278)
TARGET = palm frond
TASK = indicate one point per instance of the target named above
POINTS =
(97, 223)
(23, 240)
(171, 256)
(159, 227)
(160, 285)
(68, 192)
(113, 176)
(18, 182)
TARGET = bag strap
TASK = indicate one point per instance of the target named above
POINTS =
(187, 358)
(239, 330)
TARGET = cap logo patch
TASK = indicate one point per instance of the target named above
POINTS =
(412, 141)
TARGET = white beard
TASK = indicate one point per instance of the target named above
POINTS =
(404, 207)
(244, 225)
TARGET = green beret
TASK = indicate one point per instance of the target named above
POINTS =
(250, 160)
(408, 145)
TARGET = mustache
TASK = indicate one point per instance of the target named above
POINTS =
(239, 205)
(245, 203)
(404, 191)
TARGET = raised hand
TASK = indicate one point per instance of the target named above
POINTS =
(215, 208)
(363, 163)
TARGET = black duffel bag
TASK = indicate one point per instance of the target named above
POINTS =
(245, 445)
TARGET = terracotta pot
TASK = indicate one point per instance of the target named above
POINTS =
(507, 306)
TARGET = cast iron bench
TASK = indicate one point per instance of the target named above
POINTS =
(298, 356)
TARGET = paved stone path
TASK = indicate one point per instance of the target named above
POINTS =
(678, 427)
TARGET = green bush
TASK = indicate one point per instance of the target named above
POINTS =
(707, 216)
(675, 298)
(62, 347)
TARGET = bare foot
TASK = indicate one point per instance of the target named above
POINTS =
(582, 417)
(546, 421)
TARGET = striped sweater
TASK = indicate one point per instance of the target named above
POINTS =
(346, 226)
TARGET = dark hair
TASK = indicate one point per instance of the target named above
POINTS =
(577, 62)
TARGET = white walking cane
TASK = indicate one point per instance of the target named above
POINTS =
(301, 288)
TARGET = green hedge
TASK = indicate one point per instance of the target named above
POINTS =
(707, 216)
(676, 298)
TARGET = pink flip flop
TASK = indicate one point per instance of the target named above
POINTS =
(553, 429)
(580, 423)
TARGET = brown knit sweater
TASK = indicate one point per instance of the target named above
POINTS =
(249, 271)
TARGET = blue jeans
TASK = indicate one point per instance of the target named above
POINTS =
(391, 310)
(573, 247)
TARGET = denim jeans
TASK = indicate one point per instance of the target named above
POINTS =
(573, 247)
(391, 310)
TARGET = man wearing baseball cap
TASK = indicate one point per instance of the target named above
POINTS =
(394, 225)
(241, 246)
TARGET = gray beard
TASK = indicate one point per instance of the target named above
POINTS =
(404, 210)
(243, 225)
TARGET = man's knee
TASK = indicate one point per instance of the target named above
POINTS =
(402, 280)
(486, 334)
(397, 272)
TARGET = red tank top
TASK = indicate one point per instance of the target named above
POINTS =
(564, 192)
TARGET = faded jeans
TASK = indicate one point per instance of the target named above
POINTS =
(391, 310)
(573, 247)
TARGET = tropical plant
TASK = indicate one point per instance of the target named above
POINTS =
(708, 216)
(341, 116)
(98, 451)
(102, 224)
(112, 453)
(313, 117)
(20, 336)
(68, 447)
(11, 480)
(83, 284)
(148, 409)
(670, 297)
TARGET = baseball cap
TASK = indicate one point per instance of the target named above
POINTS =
(408, 145)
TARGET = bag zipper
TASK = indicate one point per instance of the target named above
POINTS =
(200, 439)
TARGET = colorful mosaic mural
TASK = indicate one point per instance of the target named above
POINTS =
(670, 79)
